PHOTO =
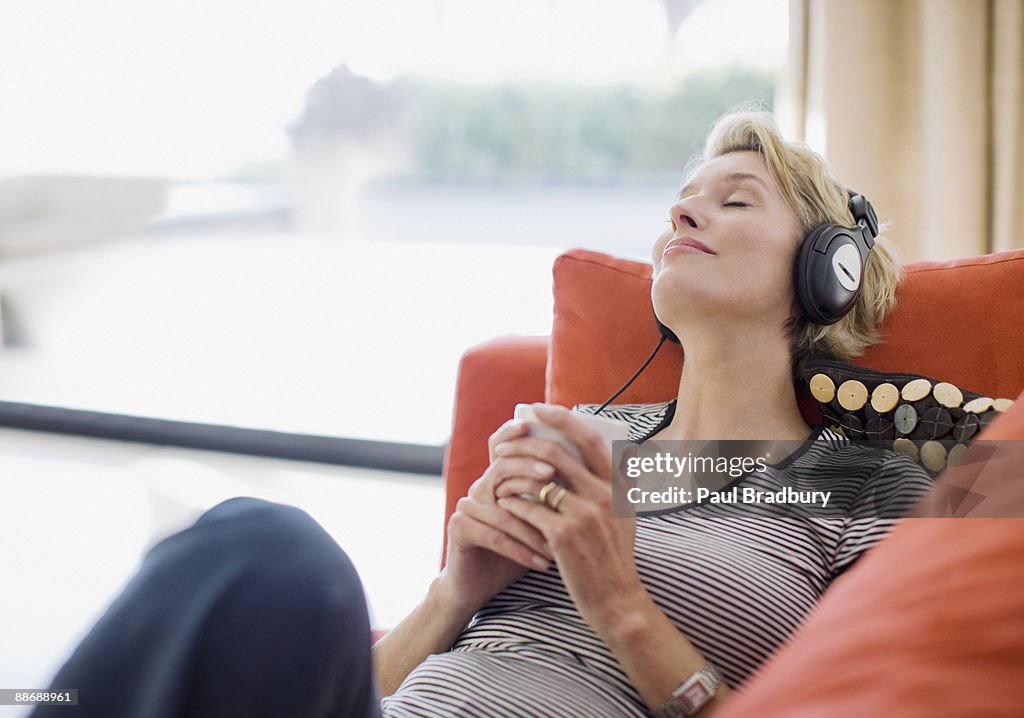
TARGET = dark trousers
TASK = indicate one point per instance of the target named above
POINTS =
(253, 611)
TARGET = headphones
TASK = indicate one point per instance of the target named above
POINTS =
(829, 267)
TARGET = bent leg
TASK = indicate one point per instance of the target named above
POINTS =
(252, 611)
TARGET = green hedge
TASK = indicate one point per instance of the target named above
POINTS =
(571, 130)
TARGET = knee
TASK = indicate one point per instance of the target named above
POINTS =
(258, 524)
(285, 550)
(247, 509)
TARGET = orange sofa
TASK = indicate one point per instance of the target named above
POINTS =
(932, 621)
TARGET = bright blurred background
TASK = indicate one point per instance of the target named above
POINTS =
(297, 215)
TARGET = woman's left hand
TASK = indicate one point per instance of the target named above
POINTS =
(593, 549)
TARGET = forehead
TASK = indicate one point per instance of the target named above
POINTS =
(734, 167)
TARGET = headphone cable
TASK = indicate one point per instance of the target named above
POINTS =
(632, 378)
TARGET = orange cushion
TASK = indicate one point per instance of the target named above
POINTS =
(603, 329)
(930, 623)
(510, 369)
(957, 321)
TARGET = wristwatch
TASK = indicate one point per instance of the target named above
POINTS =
(695, 692)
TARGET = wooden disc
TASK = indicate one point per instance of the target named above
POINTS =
(916, 390)
(955, 454)
(1002, 405)
(852, 395)
(905, 446)
(978, 405)
(905, 419)
(823, 389)
(884, 397)
(852, 426)
(933, 456)
(948, 395)
(966, 427)
(936, 422)
(879, 427)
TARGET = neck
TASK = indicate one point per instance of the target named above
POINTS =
(737, 386)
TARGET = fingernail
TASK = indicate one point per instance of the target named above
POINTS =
(541, 564)
(542, 469)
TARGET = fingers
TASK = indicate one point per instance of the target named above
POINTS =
(595, 450)
(489, 526)
(534, 513)
(511, 429)
(519, 486)
(575, 474)
(504, 467)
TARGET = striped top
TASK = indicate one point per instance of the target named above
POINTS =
(736, 586)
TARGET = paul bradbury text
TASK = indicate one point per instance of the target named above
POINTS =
(676, 496)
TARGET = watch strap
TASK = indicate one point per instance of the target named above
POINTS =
(692, 694)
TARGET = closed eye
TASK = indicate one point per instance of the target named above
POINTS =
(735, 203)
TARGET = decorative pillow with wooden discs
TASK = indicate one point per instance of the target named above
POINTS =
(931, 421)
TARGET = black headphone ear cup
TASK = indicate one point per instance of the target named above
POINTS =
(805, 273)
(823, 295)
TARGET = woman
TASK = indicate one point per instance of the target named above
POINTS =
(723, 284)
(572, 611)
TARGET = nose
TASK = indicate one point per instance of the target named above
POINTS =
(683, 212)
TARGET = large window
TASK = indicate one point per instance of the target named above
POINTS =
(297, 215)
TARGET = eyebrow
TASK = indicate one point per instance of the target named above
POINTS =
(732, 178)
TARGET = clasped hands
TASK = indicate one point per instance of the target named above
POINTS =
(496, 535)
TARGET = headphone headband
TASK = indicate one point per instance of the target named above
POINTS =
(864, 217)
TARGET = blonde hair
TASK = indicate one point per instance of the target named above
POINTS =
(817, 197)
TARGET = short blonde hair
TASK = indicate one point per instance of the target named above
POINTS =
(817, 197)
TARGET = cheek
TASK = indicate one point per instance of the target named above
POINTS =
(769, 263)
(779, 270)
(784, 266)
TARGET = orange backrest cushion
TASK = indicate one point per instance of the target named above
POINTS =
(960, 321)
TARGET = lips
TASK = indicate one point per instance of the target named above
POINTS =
(683, 244)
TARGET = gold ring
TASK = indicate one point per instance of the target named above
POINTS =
(547, 489)
(551, 494)
(557, 498)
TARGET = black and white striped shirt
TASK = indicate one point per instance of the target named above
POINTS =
(736, 586)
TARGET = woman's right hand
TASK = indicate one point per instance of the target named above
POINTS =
(488, 547)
